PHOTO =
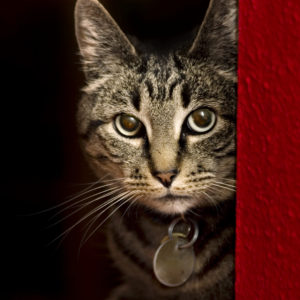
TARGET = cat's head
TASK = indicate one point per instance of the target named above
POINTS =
(162, 124)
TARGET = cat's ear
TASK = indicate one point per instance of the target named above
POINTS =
(216, 39)
(103, 45)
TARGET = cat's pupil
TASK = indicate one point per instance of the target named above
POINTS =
(202, 117)
(128, 122)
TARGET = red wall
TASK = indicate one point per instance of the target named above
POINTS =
(268, 189)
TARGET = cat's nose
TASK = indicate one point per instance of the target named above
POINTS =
(166, 178)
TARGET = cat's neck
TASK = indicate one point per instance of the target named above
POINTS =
(151, 227)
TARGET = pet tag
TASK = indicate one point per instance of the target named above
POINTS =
(174, 260)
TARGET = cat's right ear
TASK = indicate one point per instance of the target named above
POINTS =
(103, 46)
(217, 37)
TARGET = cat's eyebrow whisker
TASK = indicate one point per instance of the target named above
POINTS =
(86, 204)
(108, 203)
(84, 240)
(106, 193)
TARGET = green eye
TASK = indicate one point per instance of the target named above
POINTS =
(127, 125)
(201, 120)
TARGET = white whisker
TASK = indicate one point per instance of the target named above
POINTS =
(97, 228)
(114, 200)
(223, 187)
(211, 201)
(108, 193)
(85, 191)
(225, 184)
(87, 216)
(88, 191)
(228, 179)
(130, 205)
(90, 202)
(114, 179)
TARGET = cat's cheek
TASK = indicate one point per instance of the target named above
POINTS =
(102, 167)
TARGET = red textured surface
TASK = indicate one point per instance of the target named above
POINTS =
(268, 189)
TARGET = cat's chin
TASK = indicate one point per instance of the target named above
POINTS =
(172, 205)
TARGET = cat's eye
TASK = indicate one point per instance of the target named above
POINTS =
(128, 125)
(201, 120)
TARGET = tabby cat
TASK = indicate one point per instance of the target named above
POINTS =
(161, 127)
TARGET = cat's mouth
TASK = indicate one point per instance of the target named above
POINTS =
(172, 197)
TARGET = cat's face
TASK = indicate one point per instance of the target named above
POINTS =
(163, 125)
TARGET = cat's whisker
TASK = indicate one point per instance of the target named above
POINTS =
(218, 190)
(211, 201)
(223, 187)
(131, 204)
(228, 179)
(89, 191)
(209, 197)
(88, 203)
(225, 184)
(90, 224)
(101, 180)
(108, 203)
(84, 192)
(97, 228)
(84, 240)
(108, 193)
(213, 189)
(114, 179)
(89, 184)
(80, 207)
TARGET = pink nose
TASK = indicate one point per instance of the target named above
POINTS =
(166, 178)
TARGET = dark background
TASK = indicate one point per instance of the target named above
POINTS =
(41, 163)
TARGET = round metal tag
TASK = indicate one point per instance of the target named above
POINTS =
(173, 265)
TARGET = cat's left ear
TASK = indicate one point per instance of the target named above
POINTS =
(103, 45)
(216, 40)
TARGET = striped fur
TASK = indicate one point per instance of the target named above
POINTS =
(161, 91)
(134, 249)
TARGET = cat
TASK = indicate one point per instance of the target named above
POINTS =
(161, 127)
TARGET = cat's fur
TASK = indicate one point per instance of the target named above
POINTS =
(161, 91)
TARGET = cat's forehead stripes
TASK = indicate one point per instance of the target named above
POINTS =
(161, 77)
